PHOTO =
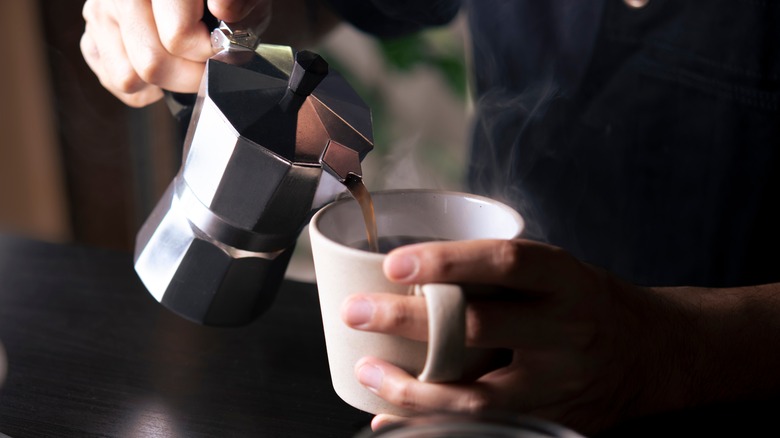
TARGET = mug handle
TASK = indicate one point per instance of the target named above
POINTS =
(446, 332)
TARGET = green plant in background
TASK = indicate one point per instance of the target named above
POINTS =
(417, 91)
(436, 54)
(434, 48)
(373, 98)
(441, 51)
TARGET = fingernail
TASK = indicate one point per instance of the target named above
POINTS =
(358, 312)
(370, 376)
(401, 266)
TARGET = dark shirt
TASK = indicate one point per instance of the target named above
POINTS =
(645, 141)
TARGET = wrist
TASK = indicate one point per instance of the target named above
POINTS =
(704, 345)
(666, 349)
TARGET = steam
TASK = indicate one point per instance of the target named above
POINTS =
(500, 133)
(526, 57)
(401, 169)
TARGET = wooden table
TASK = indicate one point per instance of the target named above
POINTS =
(92, 354)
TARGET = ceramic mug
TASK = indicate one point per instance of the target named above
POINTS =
(342, 269)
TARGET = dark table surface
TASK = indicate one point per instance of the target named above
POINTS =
(92, 354)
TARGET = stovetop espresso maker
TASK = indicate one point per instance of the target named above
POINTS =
(273, 136)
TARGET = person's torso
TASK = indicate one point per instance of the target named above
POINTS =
(644, 140)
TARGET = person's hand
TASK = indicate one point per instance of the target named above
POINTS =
(582, 352)
(137, 48)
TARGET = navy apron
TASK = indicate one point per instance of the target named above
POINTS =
(643, 140)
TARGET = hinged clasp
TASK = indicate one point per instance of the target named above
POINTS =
(230, 36)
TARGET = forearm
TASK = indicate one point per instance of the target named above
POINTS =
(741, 358)
(716, 345)
(395, 18)
(310, 20)
(300, 23)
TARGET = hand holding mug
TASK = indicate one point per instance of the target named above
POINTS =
(578, 336)
(343, 269)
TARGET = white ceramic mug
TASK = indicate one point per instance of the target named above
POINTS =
(342, 270)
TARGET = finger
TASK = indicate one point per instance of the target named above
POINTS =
(90, 52)
(252, 14)
(89, 13)
(232, 11)
(518, 264)
(401, 389)
(382, 420)
(542, 384)
(509, 389)
(148, 95)
(104, 50)
(150, 60)
(112, 68)
(388, 313)
(181, 29)
(492, 324)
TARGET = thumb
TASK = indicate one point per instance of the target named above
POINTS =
(255, 13)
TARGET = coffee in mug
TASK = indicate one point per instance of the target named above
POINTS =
(386, 244)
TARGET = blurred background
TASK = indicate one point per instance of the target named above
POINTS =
(78, 166)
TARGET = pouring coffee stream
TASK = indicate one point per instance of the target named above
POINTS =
(275, 134)
(363, 198)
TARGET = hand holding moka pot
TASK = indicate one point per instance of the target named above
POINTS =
(266, 123)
